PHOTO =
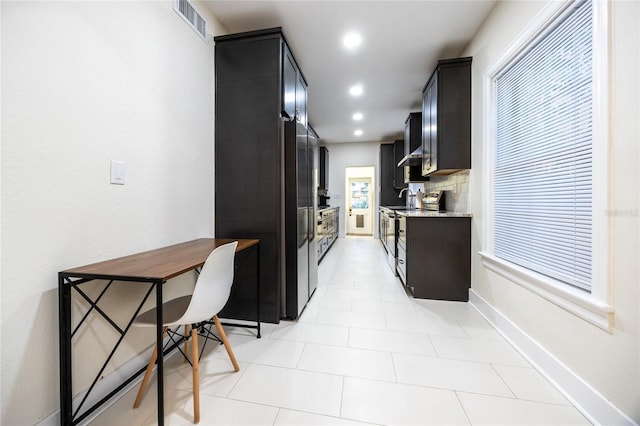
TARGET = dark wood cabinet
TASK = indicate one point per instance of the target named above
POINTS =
(446, 118)
(388, 191)
(413, 142)
(398, 172)
(428, 148)
(259, 157)
(434, 256)
(289, 82)
(323, 184)
(301, 100)
(294, 89)
(324, 168)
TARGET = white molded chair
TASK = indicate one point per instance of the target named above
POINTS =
(209, 297)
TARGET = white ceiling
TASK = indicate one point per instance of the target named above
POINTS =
(402, 41)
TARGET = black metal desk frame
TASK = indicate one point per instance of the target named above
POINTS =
(74, 278)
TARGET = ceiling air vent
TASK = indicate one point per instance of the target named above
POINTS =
(193, 18)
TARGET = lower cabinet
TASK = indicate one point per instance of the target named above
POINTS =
(434, 256)
(401, 265)
(328, 229)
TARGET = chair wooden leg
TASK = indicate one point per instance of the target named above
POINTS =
(147, 373)
(227, 346)
(196, 375)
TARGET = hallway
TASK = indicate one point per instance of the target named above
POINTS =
(363, 352)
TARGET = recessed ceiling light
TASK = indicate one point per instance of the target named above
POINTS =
(356, 90)
(357, 116)
(351, 40)
(358, 132)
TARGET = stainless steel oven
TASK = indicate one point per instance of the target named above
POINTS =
(384, 224)
(390, 242)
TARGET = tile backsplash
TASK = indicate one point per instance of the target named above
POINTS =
(456, 187)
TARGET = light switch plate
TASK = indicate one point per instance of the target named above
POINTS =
(117, 172)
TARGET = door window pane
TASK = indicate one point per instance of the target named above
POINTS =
(360, 195)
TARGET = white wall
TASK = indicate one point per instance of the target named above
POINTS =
(84, 83)
(607, 362)
(343, 155)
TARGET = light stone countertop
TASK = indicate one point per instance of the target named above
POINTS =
(430, 213)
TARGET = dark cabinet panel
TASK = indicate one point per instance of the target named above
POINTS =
(413, 142)
(323, 184)
(324, 168)
(301, 100)
(428, 150)
(388, 192)
(426, 135)
(446, 118)
(294, 89)
(398, 172)
(434, 256)
(257, 156)
(401, 267)
(289, 82)
(236, 95)
(412, 132)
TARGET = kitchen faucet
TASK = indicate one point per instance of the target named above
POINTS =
(412, 196)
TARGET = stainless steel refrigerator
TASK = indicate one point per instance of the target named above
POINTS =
(314, 176)
(301, 252)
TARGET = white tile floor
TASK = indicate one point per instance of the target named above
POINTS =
(363, 352)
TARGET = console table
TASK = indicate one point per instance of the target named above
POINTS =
(152, 268)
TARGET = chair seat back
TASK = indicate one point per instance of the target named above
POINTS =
(213, 286)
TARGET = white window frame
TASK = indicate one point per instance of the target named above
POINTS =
(593, 307)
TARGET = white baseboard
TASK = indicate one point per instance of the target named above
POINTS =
(593, 405)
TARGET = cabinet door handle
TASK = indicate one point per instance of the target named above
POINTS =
(401, 261)
(401, 231)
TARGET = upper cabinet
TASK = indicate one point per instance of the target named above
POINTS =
(294, 90)
(446, 118)
(388, 192)
(289, 81)
(398, 172)
(412, 170)
(324, 169)
(301, 100)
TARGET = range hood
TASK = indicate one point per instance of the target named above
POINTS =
(413, 159)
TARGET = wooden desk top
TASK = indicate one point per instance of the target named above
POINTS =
(157, 265)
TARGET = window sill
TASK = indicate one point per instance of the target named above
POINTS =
(572, 300)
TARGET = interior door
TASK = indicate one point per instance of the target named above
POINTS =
(360, 210)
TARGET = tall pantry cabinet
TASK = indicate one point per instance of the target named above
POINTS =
(262, 183)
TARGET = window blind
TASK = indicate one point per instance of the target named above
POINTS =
(544, 134)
